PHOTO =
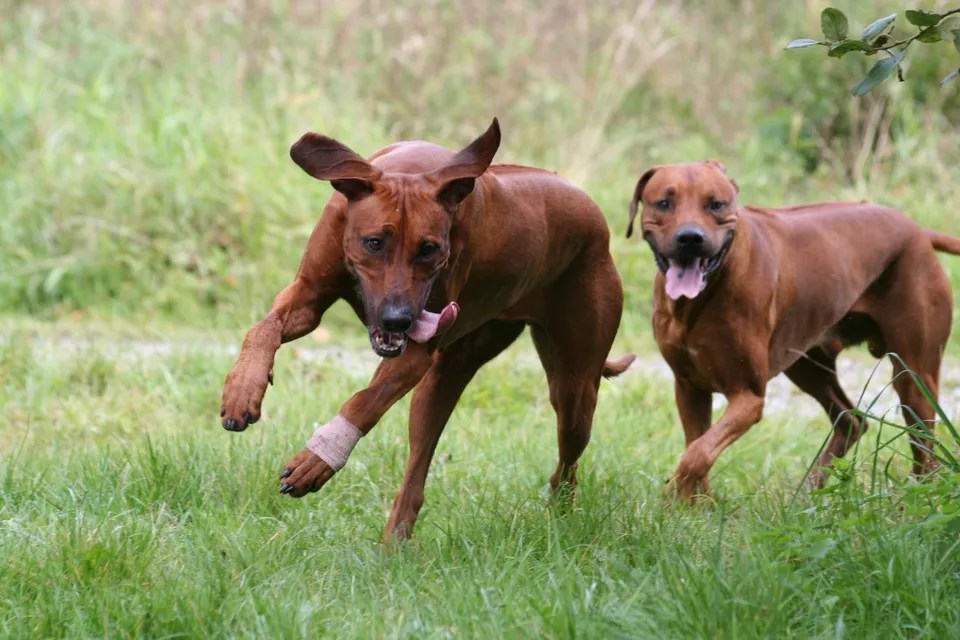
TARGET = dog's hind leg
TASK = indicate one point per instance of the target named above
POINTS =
(573, 339)
(921, 355)
(815, 374)
(434, 399)
(918, 413)
(914, 322)
(573, 395)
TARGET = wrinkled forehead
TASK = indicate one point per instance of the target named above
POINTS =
(695, 180)
(402, 203)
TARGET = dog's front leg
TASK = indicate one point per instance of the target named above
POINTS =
(745, 409)
(694, 406)
(327, 451)
(296, 312)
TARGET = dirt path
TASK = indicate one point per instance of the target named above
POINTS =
(866, 381)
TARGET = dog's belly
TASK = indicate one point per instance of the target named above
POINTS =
(830, 322)
(791, 340)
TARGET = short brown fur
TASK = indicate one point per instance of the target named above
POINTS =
(515, 246)
(796, 286)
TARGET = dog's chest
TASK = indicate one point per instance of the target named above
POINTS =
(677, 343)
(690, 352)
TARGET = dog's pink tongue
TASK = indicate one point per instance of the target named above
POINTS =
(684, 280)
(430, 324)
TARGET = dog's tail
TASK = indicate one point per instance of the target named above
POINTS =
(613, 368)
(943, 242)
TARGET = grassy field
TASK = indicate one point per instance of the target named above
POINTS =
(149, 212)
(127, 512)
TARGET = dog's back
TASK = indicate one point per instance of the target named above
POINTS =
(521, 203)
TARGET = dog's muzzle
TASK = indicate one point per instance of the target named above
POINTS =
(686, 271)
(390, 344)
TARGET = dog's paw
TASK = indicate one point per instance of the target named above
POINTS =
(818, 477)
(563, 488)
(687, 489)
(926, 469)
(304, 474)
(242, 396)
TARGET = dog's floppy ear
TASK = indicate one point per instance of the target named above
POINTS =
(638, 197)
(327, 159)
(457, 177)
(719, 166)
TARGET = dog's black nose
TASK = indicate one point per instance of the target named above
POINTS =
(690, 238)
(396, 318)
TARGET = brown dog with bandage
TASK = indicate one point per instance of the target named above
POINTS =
(445, 259)
(745, 293)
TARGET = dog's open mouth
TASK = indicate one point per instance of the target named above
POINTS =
(387, 344)
(390, 344)
(688, 277)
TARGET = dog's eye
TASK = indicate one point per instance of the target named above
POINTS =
(663, 204)
(716, 205)
(428, 250)
(373, 244)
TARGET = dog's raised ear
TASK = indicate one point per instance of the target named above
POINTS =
(716, 164)
(457, 178)
(327, 159)
(638, 197)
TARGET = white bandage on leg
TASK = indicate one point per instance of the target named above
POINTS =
(334, 441)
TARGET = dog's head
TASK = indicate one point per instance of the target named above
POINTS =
(689, 218)
(397, 235)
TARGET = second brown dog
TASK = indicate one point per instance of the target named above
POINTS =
(746, 293)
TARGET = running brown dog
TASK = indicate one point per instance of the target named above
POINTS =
(745, 293)
(490, 249)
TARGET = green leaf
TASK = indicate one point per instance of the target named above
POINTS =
(877, 74)
(801, 43)
(950, 23)
(834, 24)
(841, 48)
(922, 18)
(956, 39)
(876, 27)
(953, 75)
(929, 37)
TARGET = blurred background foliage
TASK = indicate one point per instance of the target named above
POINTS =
(143, 145)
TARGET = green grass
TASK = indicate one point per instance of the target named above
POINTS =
(126, 511)
(143, 152)
(149, 213)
